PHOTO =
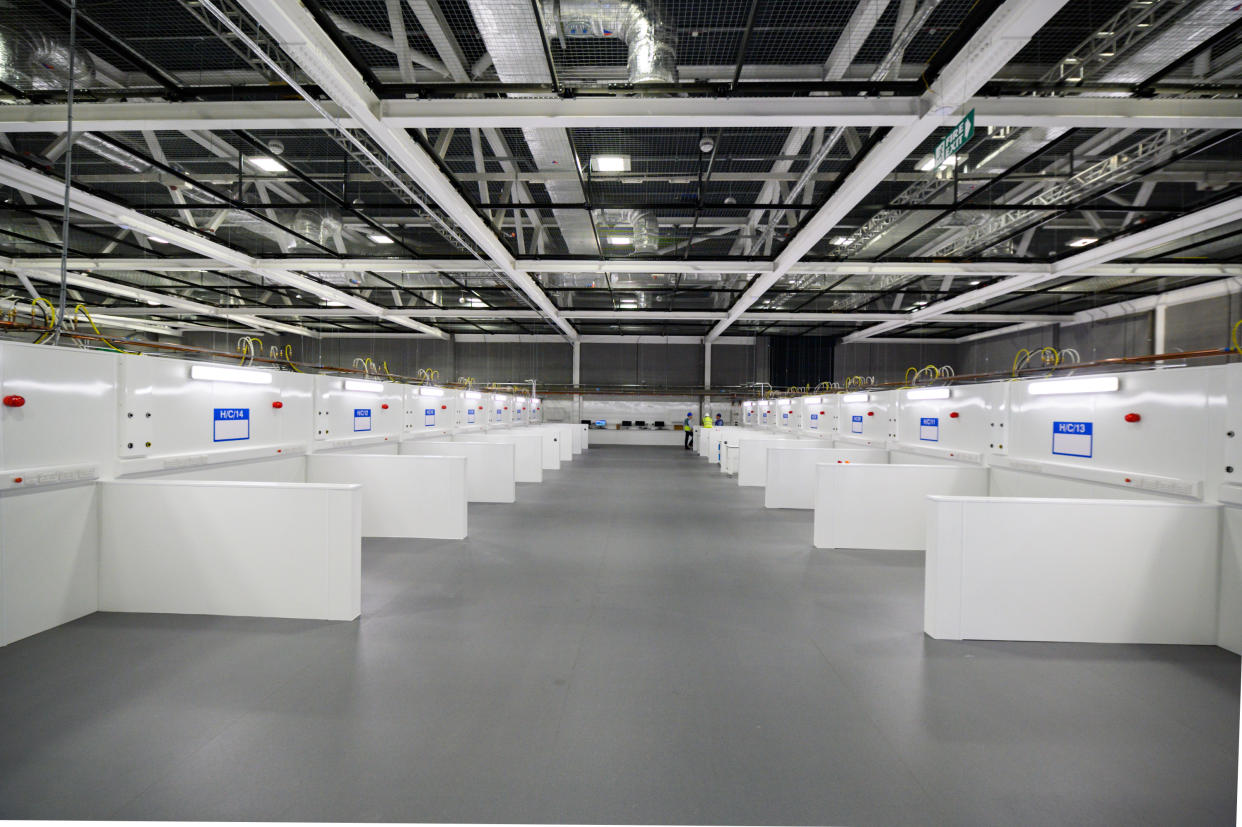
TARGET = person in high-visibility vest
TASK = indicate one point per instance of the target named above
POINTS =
(707, 420)
(688, 427)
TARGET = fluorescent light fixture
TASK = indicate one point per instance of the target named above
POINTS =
(839, 240)
(534, 400)
(500, 397)
(380, 239)
(860, 396)
(928, 393)
(157, 239)
(929, 163)
(1085, 241)
(1085, 384)
(331, 303)
(428, 391)
(610, 163)
(472, 395)
(364, 385)
(812, 400)
(782, 401)
(267, 164)
(620, 240)
(219, 373)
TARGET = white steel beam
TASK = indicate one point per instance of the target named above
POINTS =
(1076, 265)
(981, 269)
(631, 113)
(51, 189)
(1001, 37)
(314, 52)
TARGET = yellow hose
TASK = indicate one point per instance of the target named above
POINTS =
(1233, 336)
(81, 308)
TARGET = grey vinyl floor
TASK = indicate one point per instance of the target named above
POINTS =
(636, 640)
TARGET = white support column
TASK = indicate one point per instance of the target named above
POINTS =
(707, 363)
(577, 363)
(1158, 329)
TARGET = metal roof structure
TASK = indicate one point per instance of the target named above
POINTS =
(583, 167)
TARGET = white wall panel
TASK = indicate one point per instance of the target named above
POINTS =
(213, 548)
(49, 558)
(752, 469)
(884, 506)
(402, 496)
(1096, 571)
(791, 471)
(490, 466)
(341, 414)
(527, 455)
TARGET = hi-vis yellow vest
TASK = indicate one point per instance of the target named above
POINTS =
(707, 422)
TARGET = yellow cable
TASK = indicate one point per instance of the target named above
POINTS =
(1016, 357)
(81, 308)
(49, 314)
(289, 358)
(1233, 335)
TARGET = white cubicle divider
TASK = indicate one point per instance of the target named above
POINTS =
(490, 466)
(528, 450)
(1095, 571)
(430, 410)
(357, 410)
(402, 496)
(564, 435)
(752, 469)
(864, 419)
(884, 506)
(956, 424)
(187, 547)
(551, 446)
(791, 471)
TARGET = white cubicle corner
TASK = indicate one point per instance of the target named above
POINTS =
(884, 506)
(1094, 571)
(791, 471)
(213, 548)
(490, 466)
(402, 496)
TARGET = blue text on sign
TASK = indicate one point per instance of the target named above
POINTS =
(230, 424)
(929, 428)
(362, 419)
(1073, 439)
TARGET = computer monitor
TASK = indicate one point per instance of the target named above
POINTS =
(600, 423)
(586, 422)
(659, 423)
(625, 423)
(641, 423)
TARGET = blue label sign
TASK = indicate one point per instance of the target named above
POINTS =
(856, 424)
(784, 416)
(929, 428)
(230, 424)
(362, 419)
(470, 417)
(499, 415)
(1072, 439)
(815, 422)
(429, 417)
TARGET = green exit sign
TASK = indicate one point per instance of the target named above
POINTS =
(955, 140)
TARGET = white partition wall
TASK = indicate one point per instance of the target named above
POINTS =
(753, 449)
(490, 466)
(863, 419)
(791, 471)
(351, 411)
(402, 496)
(1097, 571)
(527, 454)
(213, 548)
(884, 506)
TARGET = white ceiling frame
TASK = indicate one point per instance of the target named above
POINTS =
(1198, 221)
(631, 113)
(52, 189)
(1000, 37)
(301, 38)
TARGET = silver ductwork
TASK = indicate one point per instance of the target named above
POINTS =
(638, 23)
(646, 231)
(515, 41)
(41, 62)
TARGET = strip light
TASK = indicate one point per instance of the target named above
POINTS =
(1086, 384)
(364, 385)
(534, 400)
(500, 397)
(812, 400)
(431, 391)
(472, 395)
(928, 393)
(782, 401)
(219, 373)
(861, 396)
